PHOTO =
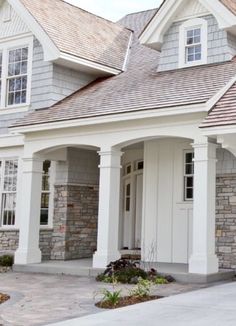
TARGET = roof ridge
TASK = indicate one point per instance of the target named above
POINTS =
(139, 12)
(89, 12)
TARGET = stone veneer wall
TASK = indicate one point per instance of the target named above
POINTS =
(9, 240)
(75, 221)
(226, 220)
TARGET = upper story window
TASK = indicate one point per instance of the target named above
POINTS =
(193, 42)
(15, 74)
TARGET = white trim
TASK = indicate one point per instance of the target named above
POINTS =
(87, 63)
(11, 140)
(14, 109)
(128, 52)
(221, 92)
(142, 114)
(219, 130)
(188, 25)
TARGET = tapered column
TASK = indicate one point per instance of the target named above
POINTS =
(204, 259)
(28, 251)
(108, 216)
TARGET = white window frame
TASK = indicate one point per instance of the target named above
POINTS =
(2, 191)
(51, 196)
(187, 175)
(5, 47)
(186, 26)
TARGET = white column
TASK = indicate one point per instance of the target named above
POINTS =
(203, 259)
(108, 216)
(28, 251)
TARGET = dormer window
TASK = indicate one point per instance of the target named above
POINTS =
(193, 47)
(193, 43)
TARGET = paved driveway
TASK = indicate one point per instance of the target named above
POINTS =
(42, 299)
(214, 306)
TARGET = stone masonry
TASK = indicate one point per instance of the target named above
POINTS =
(9, 242)
(75, 222)
(226, 220)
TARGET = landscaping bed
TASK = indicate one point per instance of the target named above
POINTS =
(6, 263)
(4, 298)
(126, 301)
(124, 271)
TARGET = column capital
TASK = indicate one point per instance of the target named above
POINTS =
(110, 159)
(32, 164)
(110, 153)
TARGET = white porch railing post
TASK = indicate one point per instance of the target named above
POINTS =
(108, 216)
(28, 251)
(203, 259)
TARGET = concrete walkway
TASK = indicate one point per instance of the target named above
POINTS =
(211, 306)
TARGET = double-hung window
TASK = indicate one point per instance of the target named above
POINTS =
(193, 42)
(193, 45)
(8, 187)
(17, 76)
(15, 73)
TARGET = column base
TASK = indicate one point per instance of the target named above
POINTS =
(27, 257)
(102, 259)
(204, 265)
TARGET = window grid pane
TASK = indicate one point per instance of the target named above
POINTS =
(193, 45)
(9, 187)
(0, 75)
(17, 76)
(45, 196)
(188, 176)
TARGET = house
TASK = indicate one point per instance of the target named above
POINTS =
(119, 137)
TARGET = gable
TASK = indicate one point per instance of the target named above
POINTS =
(154, 32)
(193, 9)
(10, 23)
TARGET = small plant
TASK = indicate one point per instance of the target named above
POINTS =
(111, 297)
(6, 261)
(142, 289)
(160, 280)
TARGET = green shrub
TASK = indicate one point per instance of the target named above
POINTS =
(142, 289)
(128, 275)
(6, 261)
(160, 280)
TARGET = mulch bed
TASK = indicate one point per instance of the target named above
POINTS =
(4, 298)
(126, 301)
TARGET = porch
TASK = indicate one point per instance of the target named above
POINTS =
(84, 268)
(172, 227)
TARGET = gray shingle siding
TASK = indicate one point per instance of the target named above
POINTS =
(50, 84)
(221, 45)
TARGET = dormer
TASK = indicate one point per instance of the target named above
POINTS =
(192, 32)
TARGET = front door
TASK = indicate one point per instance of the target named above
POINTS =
(132, 214)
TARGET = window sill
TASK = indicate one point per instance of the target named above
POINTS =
(9, 229)
(14, 109)
(46, 228)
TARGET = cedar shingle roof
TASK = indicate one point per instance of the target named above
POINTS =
(224, 112)
(77, 32)
(140, 88)
(230, 4)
